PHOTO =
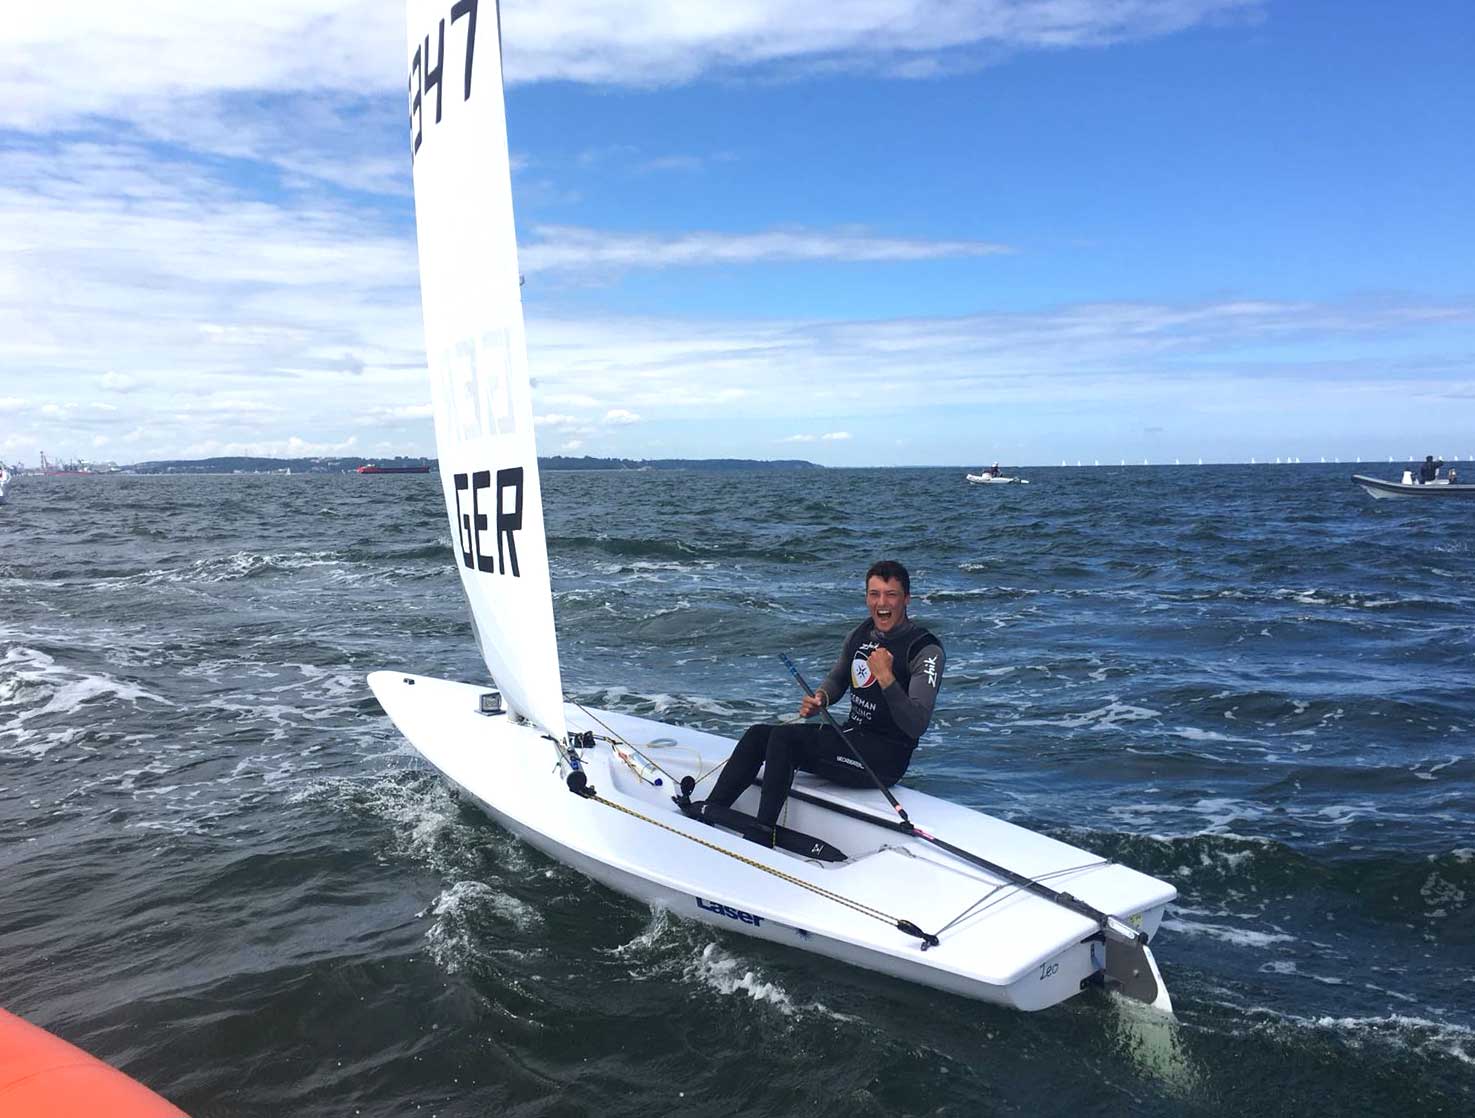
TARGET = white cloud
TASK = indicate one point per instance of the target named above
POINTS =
(395, 415)
(656, 42)
(211, 315)
(172, 65)
(298, 85)
(231, 319)
(291, 447)
(565, 397)
(566, 248)
(220, 318)
(631, 159)
(1087, 354)
(118, 382)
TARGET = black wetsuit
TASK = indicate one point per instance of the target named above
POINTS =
(883, 726)
(1429, 470)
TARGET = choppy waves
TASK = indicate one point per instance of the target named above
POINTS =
(203, 813)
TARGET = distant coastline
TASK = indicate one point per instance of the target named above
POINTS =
(557, 462)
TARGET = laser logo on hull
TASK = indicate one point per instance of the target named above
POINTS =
(730, 912)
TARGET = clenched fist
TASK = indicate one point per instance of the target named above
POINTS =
(881, 667)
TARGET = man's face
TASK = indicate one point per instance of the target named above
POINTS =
(887, 602)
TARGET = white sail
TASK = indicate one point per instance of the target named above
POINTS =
(476, 349)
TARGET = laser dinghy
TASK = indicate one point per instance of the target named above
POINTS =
(943, 895)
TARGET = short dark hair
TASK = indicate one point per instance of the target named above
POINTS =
(889, 570)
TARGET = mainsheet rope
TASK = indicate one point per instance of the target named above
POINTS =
(906, 926)
(1006, 887)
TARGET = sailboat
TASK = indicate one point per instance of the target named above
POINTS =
(931, 892)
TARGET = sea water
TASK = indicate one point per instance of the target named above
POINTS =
(222, 869)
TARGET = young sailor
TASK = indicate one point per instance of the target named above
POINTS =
(892, 668)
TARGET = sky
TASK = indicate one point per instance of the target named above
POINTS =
(885, 232)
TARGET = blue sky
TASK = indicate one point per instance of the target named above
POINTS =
(890, 232)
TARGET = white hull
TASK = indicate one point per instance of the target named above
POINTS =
(984, 479)
(1014, 949)
(1440, 487)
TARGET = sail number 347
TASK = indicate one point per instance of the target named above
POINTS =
(426, 79)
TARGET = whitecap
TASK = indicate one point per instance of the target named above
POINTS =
(1109, 717)
(729, 974)
(1240, 937)
(1420, 1032)
(26, 674)
(660, 922)
(1193, 733)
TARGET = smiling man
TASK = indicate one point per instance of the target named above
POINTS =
(892, 668)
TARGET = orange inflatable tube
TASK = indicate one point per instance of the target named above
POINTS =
(42, 1076)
